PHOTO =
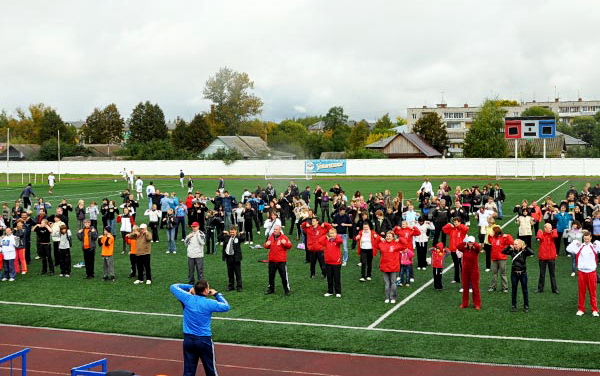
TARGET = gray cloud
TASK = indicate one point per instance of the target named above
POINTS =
(304, 56)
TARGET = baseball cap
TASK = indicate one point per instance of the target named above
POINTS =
(470, 239)
(143, 225)
(195, 224)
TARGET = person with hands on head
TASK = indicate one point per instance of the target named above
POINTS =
(278, 244)
(195, 242)
(333, 263)
(367, 241)
(547, 257)
(470, 271)
(498, 242)
(88, 236)
(519, 252)
(586, 255)
(389, 263)
(457, 232)
(197, 333)
(315, 232)
(232, 255)
(143, 248)
(438, 254)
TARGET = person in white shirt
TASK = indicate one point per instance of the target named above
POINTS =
(271, 223)
(139, 187)
(482, 216)
(428, 187)
(150, 190)
(51, 182)
(586, 258)
(130, 179)
(421, 242)
(9, 253)
(154, 217)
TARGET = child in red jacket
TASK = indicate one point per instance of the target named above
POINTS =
(408, 233)
(333, 263)
(278, 244)
(499, 241)
(457, 232)
(438, 254)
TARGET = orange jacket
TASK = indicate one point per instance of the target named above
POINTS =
(108, 245)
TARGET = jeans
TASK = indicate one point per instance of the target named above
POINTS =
(180, 221)
(345, 245)
(8, 269)
(499, 206)
(172, 246)
(113, 226)
(197, 265)
(391, 289)
(198, 348)
(405, 274)
(515, 278)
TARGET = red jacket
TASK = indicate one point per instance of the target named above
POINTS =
(374, 240)
(315, 235)
(189, 202)
(333, 252)
(390, 261)
(438, 254)
(547, 249)
(471, 255)
(407, 234)
(457, 234)
(278, 248)
(498, 244)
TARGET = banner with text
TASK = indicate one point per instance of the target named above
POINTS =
(325, 166)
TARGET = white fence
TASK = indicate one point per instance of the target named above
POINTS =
(355, 167)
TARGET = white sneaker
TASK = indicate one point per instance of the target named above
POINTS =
(397, 278)
(148, 282)
(393, 301)
(168, 252)
(368, 278)
(343, 264)
(23, 272)
(37, 257)
(360, 279)
(67, 275)
(412, 280)
(137, 282)
(423, 269)
(174, 252)
(573, 274)
(386, 301)
(246, 242)
(359, 264)
(340, 295)
(579, 313)
(12, 280)
(61, 275)
(418, 268)
(461, 290)
(452, 281)
(182, 240)
(4, 279)
(595, 314)
(471, 290)
(327, 294)
(488, 270)
(251, 242)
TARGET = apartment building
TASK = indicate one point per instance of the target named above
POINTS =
(459, 119)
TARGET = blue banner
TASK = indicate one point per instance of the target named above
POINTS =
(325, 166)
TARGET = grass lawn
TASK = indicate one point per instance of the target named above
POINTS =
(551, 316)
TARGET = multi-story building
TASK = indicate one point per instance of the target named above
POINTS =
(459, 119)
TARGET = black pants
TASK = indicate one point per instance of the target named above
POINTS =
(46, 256)
(88, 259)
(56, 254)
(143, 265)
(457, 266)
(437, 232)
(515, 278)
(258, 220)
(123, 236)
(234, 272)
(248, 230)
(437, 278)
(557, 242)
(198, 348)
(65, 260)
(334, 278)
(551, 264)
(154, 229)
(325, 212)
(366, 262)
(280, 267)
(317, 205)
(28, 252)
(421, 254)
(315, 256)
(162, 223)
(210, 240)
(26, 202)
(292, 222)
(488, 255)
(133, 265)
(94, 223)
(526, 239)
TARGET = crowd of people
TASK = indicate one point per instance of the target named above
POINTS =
(324, 222)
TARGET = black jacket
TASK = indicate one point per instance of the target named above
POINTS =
(519, 264)
(236, 245)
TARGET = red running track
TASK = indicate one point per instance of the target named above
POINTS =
(55, 352)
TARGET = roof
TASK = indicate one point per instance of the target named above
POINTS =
(21, 151)
(103, 150)
(572, 141)
(77, 124)
(413, 138)
(252, 147)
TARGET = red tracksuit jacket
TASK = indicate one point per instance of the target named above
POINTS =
(438, 254)
(333, 252)
(407, 234)
(498, 244)
(278, 248)
(374, 240)
(315, 235)
(390, 261)
(547, 247)
(457, 234)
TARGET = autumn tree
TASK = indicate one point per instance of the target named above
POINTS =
(358, 135)
(383, 125)
(433, 130)
(104, 126)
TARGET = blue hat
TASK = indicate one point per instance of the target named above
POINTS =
(107, 228)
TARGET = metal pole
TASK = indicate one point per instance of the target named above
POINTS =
(516, 158)
(544, 170)
(58, 139)
(7, 154)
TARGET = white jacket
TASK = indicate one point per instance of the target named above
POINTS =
(423, 238)
(9, 246)
(586, 262)
(195, 244)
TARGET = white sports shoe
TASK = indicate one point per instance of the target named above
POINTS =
(137, 282)
(573, 274)
(470, 290)
(461, 290)
(488, 270)
(393, 301)
(595, 314)
(579, 313)
(148, 282)
(4, 279)
(12, 280)
(368, 278)
(386, 301)
(327, 294)
(412, 280)
(340, 295)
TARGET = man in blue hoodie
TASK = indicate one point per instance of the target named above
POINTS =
(228, 203)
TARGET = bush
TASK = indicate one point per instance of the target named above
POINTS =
(365, 154)
(228, 156)
(153, 150)
(49, 150)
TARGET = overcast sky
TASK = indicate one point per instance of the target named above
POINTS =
(305, 56)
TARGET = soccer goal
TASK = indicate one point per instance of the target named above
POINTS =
(277, 171)
(515, 169)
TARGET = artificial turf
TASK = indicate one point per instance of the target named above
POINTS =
(551, 316)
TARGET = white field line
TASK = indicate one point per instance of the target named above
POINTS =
(428, 283)
(316, 325)
(291, 349)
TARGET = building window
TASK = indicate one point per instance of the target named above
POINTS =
(414, 116)
(563, 109)
(454, 124)
(574, 109)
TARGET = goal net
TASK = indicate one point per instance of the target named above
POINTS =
(515, 169)
(279, 171)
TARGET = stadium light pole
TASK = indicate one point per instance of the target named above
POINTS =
(7, 154)
(58, 143)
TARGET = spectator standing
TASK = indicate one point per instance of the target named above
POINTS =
(88, 236)
(195, 242)
(519, 253)
(278, 244)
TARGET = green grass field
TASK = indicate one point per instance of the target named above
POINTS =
(306, 319)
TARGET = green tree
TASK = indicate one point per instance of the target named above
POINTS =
(505, 102)
(383, 125)
(485, 139)
(539, 111)
(230, 92)
(401, 121)
(289, 136)
(584, 128)
(433, 130)
(147, 123)
(335, 119)
(49, 150)
(228, 156)
(307, 121)
(50, 124)
(193, 137)
(358, 135)
(104, 126)
(336, 129)
(363, 153)
(153, 150)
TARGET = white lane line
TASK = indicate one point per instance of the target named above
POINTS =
(291, 349)
(316, 325)
(417, 291)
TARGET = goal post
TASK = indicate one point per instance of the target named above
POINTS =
(274, 170)
(515, 169)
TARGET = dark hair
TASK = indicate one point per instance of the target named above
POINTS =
(456, 219)
(200, 286)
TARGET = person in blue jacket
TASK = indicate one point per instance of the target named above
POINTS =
(197, 333)
(563, 223)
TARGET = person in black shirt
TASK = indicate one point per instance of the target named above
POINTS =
(519, 252)
(342, 223)
(66, 208)
(305, 195)
(43, 231)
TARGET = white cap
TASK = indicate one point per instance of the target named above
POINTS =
(470, 239)
(143, 225)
